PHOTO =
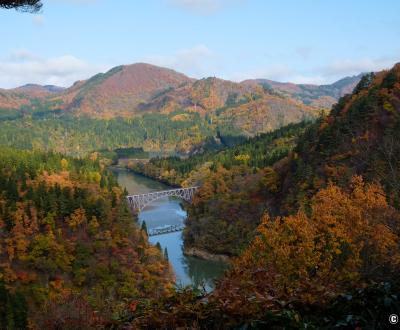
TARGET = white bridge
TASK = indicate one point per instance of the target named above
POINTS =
(139, 202)
(165, 230)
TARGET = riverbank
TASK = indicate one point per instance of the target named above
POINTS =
(143, 174)
(169, 212)
(198, 253)
(190, 252)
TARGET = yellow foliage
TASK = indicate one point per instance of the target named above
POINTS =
(181, 117)
(96, 176)
(94, 156)
(348, 237)
(389, 107)
(243, 158)
(62, 179)
(93, 224)
(64, 164)
(77, 218)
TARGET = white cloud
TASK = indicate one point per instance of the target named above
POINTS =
(198, 61)
(38, 20)
(205, 7)
(22, 67)
(327, 74)
(352, 67)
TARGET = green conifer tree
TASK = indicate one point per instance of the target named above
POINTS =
(144, 227)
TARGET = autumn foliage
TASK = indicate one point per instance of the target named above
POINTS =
(70, 251)
(326, 253)
(311, 269)
(348, 239)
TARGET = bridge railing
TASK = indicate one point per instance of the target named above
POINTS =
(165, 230)
(139, 201)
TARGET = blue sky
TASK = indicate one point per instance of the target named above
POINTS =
(303, 41)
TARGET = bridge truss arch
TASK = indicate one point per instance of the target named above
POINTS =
(139, 202)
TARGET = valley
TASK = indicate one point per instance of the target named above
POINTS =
(199, 165)
(290, 195)
(168, 211)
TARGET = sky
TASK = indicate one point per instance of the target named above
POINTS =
(301, 41)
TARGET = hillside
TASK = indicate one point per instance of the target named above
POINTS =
(233, 185)
(119, 91)
(37, 91)
(22, 97)
(127, 90)
(323, 96)
(68, 244)
(240, 109)
(358, 137)
(142, 88)
(309, 211)
(158, 109)
(326, 251)
(202, 96)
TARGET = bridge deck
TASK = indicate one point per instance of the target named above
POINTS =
(139, 201)
(165, 230)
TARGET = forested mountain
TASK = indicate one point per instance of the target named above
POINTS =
(334, 267)
(227, 209)
(131, 89)
(310, 211)
(323, 96)
(142, 105)
(79, 136)
(119, 91)
(25, 96)
(357, 138)
(68, 245)
(37, 91)
(282, 171)
(256, 153)
(326, 253)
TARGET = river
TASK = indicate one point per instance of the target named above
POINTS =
(168, 211)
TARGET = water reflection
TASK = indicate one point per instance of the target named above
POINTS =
(168, 211)
(202, 272)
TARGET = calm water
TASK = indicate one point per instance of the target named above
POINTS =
(168, 211)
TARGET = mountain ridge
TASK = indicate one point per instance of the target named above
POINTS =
(311, 94)
(196, 108)
(126, 87)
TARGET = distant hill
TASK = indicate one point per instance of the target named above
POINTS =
(24, 96)
(119, 91)
(133, 89)
(170, 110)
(34, 90)
(248, 108)
(315, 95)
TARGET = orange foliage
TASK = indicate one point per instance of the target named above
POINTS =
(62, 179)
(347, 240)
(77, 218)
